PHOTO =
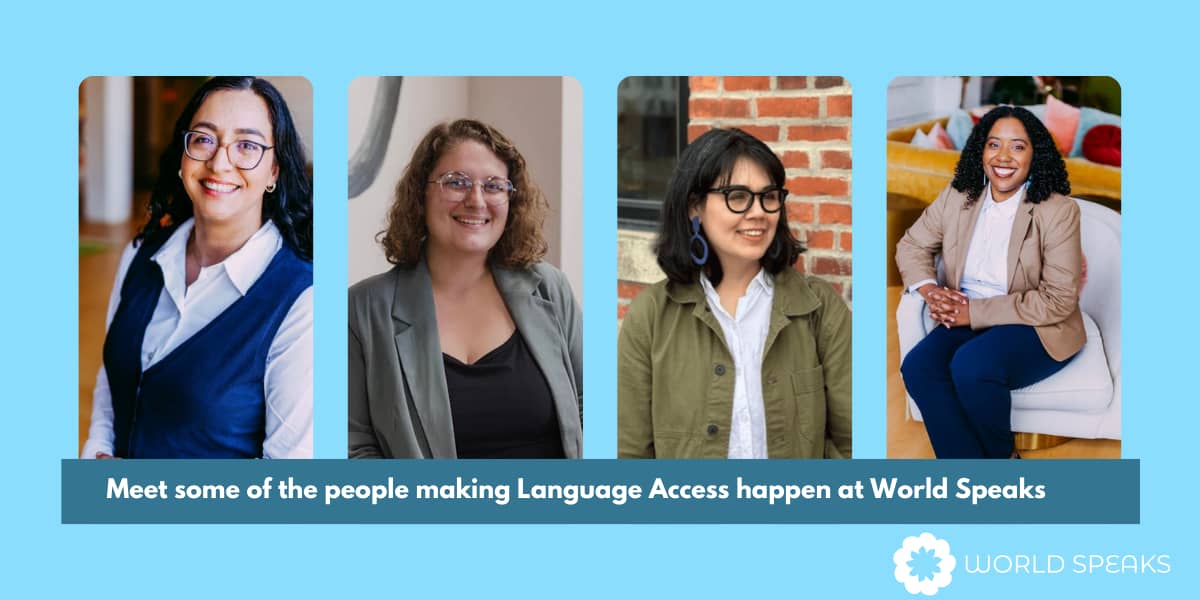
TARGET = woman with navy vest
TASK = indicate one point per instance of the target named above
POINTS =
(208, 351)
(471, 347)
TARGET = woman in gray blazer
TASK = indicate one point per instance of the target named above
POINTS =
(470, 346)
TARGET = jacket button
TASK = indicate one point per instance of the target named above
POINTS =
(719, 370)
(772, 380)
(712, 429)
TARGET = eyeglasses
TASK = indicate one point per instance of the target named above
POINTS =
(456, 186)
(243, 154)
(739, 198)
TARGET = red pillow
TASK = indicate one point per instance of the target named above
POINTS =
(1102, 144)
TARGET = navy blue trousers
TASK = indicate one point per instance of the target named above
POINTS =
(962, 380)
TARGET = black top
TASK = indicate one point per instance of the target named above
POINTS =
(501, 405)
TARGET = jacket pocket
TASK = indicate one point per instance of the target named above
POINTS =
(667, 445)
(808, 389)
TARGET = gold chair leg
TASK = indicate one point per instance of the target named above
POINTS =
(1038, 441)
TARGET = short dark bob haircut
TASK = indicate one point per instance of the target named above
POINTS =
(522, 243)
(289, 206)
(704, 164)
(1047, 174)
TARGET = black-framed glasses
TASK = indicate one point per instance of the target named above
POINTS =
(243, 154)
(739, 198)
(456, 185)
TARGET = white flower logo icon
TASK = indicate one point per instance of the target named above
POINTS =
(924, 564)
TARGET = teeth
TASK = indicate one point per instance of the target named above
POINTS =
(1003, 172)
(752, 232)
(218, 187)
(467, 221)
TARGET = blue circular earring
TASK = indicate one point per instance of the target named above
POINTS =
(697, 239)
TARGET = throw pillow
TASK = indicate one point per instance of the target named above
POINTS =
(1089, 118)
(959, 127)
(1062, 120)
(1103, 145)
(940, 138)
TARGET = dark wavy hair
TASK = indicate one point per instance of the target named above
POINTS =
(522, 243)
(1047, 174)
(289, 206)
(704, 164)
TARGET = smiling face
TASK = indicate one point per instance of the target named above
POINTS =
(471, 226)
(1007, 157)
(221, 193)
(739, 240)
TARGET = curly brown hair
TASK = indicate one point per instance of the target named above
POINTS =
(520, 246)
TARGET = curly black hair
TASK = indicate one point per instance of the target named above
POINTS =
(289, 206)
(1047, 174)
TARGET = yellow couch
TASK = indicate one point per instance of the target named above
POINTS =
(923, 172)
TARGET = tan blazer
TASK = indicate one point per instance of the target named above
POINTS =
(1044, 257)
(399, 406)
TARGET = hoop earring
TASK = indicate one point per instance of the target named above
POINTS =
(697, 238)
(271, 188)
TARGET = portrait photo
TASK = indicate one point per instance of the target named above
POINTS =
(195, 267)
(1004, 267)
(734, 267)
(465, 249)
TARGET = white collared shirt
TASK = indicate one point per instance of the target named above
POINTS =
(746, 336)
(184, 310)
(985, 273)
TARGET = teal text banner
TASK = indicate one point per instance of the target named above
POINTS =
(600, 491)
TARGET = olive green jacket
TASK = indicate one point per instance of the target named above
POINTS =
(675, 374)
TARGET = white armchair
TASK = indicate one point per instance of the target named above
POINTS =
(1084, 399)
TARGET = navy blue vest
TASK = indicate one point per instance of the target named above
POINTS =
(206, 398)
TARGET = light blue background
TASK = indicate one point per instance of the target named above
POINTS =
(48, 50)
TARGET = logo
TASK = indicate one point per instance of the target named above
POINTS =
(924, 564)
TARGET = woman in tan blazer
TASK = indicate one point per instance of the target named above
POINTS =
(1009, 240)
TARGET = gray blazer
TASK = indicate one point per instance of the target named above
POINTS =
(399, 405)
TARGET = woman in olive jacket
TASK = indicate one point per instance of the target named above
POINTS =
(736, 354)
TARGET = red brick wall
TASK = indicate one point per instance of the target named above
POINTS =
(806, 121)
(626, 291)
